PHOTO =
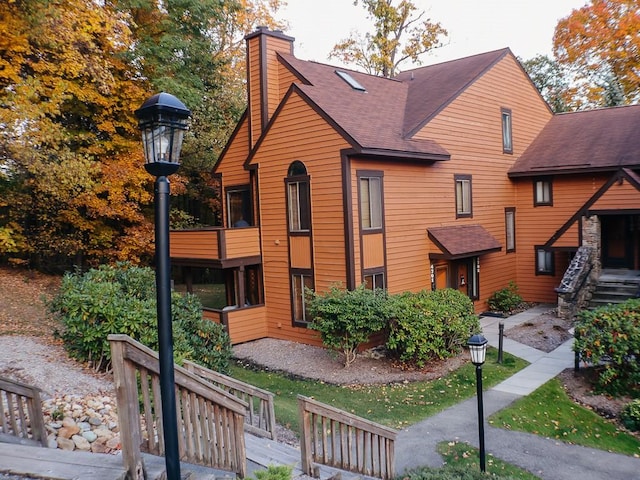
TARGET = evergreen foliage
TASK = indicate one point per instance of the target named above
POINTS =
(122, 299)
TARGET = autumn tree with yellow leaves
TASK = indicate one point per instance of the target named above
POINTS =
(72, 186)
(400, 33)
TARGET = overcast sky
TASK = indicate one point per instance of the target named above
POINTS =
(475, 26)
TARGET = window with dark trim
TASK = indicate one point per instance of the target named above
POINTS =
(542, 192)
(473, 274)
(239, 206)
(544, 261)
(299, 281)
(463, 196)
(370, 195)
(510, 228)
(507, 134)
(298, 198)
(374, 280)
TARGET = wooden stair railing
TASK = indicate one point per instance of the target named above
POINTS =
(339, 439)
(259, 418)
(21, 418)
(210, 420)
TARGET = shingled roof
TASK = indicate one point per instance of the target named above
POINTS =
(383, 118)
(593, 140)
(433, 87)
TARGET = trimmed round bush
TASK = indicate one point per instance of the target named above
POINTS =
(430, 324)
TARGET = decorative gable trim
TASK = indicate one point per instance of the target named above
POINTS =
(620, 175)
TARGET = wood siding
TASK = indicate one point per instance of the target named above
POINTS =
(373, 250)
(262, 59)
(318, 146)
(246, 324)
(420, 196)
(536, 225)
(214, 243)
(300, 252)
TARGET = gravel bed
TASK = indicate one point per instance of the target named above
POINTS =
(45, 365)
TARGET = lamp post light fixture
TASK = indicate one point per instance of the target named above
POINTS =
(478, 349)
(163, 120)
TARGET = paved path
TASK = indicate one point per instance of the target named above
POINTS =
(546, 458)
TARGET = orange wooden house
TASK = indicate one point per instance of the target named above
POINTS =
(452, 175)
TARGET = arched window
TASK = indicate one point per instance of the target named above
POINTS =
(298, 198)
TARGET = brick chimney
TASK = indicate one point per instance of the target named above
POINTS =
(262, 76)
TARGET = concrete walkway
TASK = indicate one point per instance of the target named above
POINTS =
(546, 458)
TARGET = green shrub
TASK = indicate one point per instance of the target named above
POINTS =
(121, 299)
(346, 318)
(609, 337)
(505, 300)
(275, 472)
(428, 325)
(630, 415)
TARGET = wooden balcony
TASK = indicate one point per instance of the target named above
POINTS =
(216, 246)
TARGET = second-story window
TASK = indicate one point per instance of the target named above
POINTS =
(371, 202)
(298, 198)
(507, 135)
(463, 196)
(542, 192)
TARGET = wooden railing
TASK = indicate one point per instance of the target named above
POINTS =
(259, 418)
(210, 420)
(21, 417)
(338, 439)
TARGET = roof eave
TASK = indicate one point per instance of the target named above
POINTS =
(401, 154)
(542, 172)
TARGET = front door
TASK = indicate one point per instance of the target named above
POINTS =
(617, 241)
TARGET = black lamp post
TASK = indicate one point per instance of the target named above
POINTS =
(163, 120)
(478, 349)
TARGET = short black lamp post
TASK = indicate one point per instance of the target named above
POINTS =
(163, 120)
(478, 349)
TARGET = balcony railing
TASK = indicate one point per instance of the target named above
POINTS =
(215, 243)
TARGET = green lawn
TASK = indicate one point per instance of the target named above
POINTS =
(394, 405)
(549, 412)
(464, 458)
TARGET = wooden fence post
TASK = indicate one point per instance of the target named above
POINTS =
(128, 410)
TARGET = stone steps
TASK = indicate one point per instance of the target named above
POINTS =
(614, 292)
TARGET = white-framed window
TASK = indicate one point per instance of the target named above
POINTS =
(544, 261)
(370, 202)
(300, 281)
(463, 196)
(542, 192)
(510, 228)
(507, 134)
(374, 281)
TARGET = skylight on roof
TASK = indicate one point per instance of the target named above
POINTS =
(353, 83)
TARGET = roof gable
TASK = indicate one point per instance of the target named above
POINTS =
(370, 119)
(432, 88)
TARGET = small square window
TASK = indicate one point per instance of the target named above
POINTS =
(544, 262)
(463, 196)
(542, 192)
(374, 281)
(507, 135)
